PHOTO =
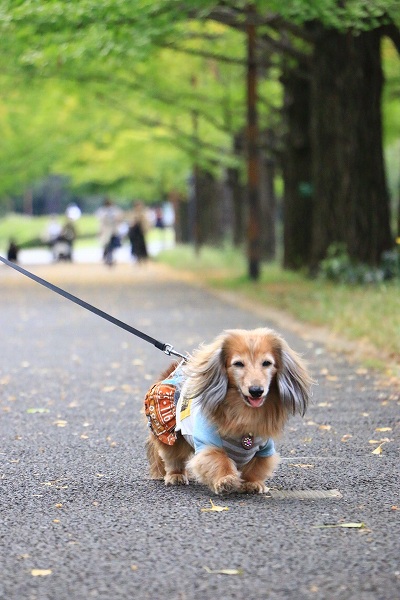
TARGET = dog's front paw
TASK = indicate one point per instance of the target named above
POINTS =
(176, 479)
(253, 487)
(226, 485)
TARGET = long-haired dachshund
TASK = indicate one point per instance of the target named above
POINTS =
(216, 416)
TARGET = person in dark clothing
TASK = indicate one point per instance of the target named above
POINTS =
(12, 252)
(137, 233)
(137, 241)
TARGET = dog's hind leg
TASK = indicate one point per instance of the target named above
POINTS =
(174, 460)
(156, 463)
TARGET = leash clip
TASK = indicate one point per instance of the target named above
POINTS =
(169, 350)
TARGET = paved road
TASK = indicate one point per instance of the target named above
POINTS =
(81, 519)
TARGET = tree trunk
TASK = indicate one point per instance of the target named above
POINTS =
(210, 209)
(268, 208)
(296, 168)
(351, 201)
(253, 175)
(238, 206)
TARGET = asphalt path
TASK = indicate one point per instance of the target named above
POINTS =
(81, 519)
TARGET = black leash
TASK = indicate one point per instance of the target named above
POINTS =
(167, 348)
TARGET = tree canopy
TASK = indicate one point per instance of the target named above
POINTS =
(107, 91)
(131, 97)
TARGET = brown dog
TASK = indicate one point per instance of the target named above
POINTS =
(233, 398)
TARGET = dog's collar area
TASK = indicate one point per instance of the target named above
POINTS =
(247, 441)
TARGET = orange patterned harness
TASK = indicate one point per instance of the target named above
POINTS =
(160, 407)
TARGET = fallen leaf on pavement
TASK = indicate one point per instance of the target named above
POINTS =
(343, 525)
(214, 508)
(32, 411)
(60, 423)
(378, 450)
(383, 429)
(224, 571)
(40, 572)
(301, 466)
(346, 437)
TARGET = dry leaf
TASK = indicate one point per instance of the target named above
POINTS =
(137, 362)
(32, 411)
(383, 429)
(342, 525)
(301, 466)
(60, 423)
(324, 404)
(346, 437)
(394, 507)
(332, 377)
(134, 567)
(108, 388)
(40, 572)
(214, 508)
(224, 571)
(126, 387)
(325, 427)
(378, 450)
(59, 505)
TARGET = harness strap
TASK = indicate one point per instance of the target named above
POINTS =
(167, 348)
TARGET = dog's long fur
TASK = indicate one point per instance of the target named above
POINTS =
(248, 381)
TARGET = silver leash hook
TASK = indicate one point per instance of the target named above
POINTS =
(169, 350)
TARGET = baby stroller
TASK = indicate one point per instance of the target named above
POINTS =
(62, 249)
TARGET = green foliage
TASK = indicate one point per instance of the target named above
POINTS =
(29, 231)
(126, 96)
(368, 314)
(339, 267)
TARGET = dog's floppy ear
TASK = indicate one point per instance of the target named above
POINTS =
(294, 381)
(206, 374)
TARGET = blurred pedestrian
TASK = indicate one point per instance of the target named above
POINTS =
(137, 232)
(52, 234)
(12, 252)
(110, 217)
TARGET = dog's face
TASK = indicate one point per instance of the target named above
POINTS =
(257, 364)
(250, 362)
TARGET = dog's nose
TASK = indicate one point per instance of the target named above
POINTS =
(256, 391)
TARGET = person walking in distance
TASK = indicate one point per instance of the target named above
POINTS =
(110, 217)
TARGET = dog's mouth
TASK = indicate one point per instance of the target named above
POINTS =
(253, 402)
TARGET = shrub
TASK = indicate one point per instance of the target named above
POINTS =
(339, 267)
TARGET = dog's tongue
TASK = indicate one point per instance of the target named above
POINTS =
(255, 402)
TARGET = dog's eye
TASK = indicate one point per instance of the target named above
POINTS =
(238, 363)
(267, 363)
